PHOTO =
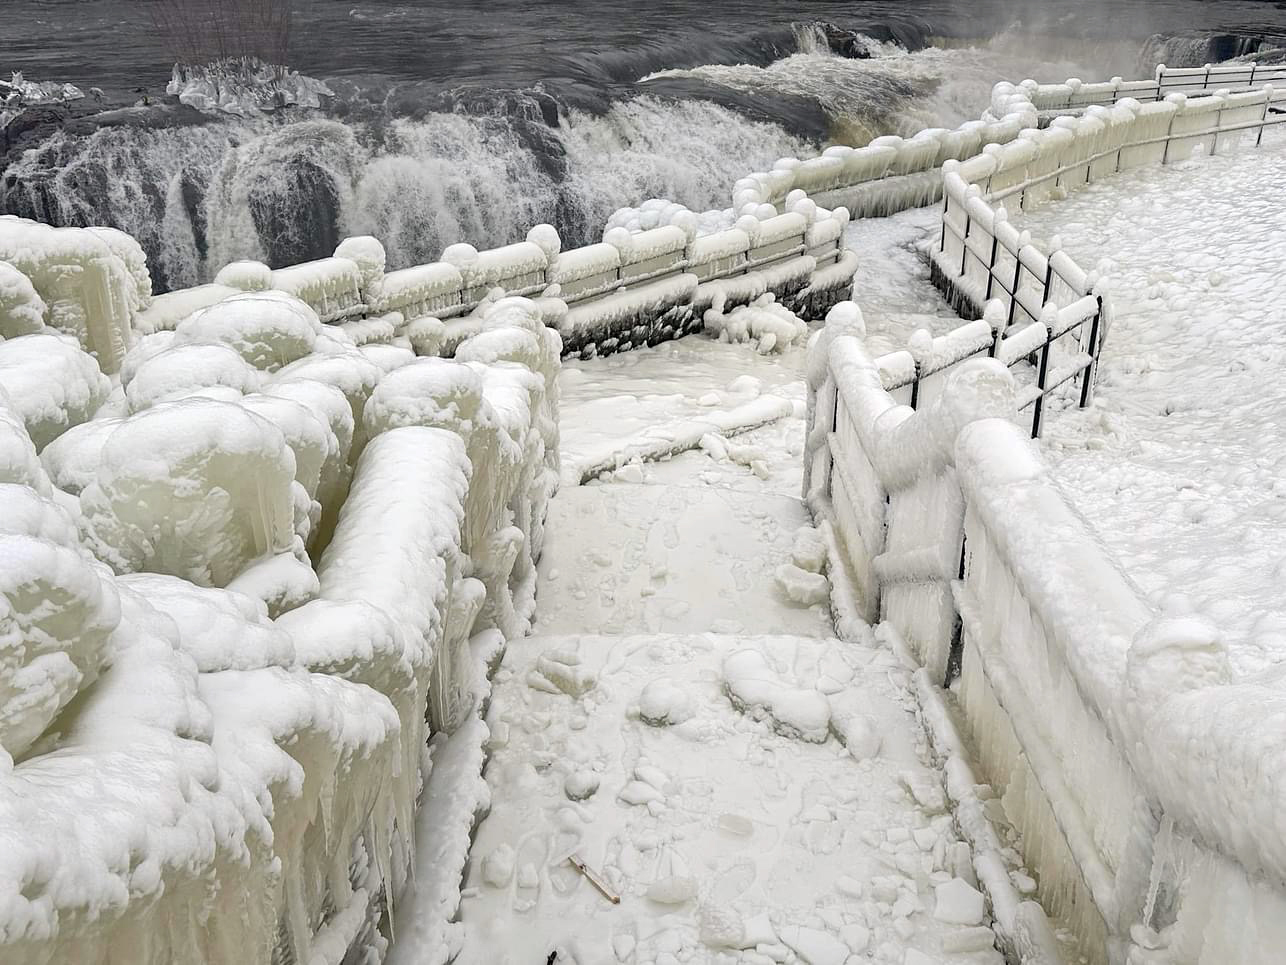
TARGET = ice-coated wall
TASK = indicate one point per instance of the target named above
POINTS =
(246, 583)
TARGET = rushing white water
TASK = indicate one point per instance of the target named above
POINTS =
(287, 190)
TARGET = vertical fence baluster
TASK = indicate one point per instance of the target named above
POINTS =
(1088, 374)
(964, 242)
(991, 265)
(946, 206)
(1169, 136)
(1263, 123)
(1013, 296)
(915, 385)
(1049, 280)
(1041, 375)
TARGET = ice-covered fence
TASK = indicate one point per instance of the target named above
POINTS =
(238, 591)
(880, 480)
(634, 288)
(889, 174)
(1075, 151)
(1035, 304)
(1075, 94)
(1145, 781)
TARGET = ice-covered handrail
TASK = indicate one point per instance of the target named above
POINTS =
(1075, 94)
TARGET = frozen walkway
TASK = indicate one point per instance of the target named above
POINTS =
(675, 723)
(1179, 464)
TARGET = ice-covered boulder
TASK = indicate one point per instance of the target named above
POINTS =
(196, 488)
(267, 329)
(51, 383)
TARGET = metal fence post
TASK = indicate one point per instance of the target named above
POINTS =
(1013, 291)
(1049, 280)
(1268, 99)
(946, 206)
(991, 265)
(1169, 136)
(1091, 370)
(915, 385)
(964, 242)
(1041, 375)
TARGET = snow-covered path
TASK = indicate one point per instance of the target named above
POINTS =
(1179, 463)
(675, 723)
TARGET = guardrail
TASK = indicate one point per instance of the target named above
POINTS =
(1074, 94)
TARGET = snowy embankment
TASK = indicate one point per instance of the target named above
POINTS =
(684, 723)
(299, 552)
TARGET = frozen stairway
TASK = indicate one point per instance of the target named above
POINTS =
(751, 788)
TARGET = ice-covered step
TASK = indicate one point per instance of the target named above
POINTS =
(625, 558)
(702, 779)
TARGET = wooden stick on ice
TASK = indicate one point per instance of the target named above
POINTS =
(594, 879)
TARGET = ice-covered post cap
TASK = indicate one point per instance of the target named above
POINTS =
(995, 315)
(545, 237)
(846, 318)
(461, 255)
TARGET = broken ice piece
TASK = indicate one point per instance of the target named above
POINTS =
(958, 904)
(672, 890)
(663, 703)
(639, 792)
(804, 588)
(580, 785)
(560, 670)
(498, 866)
(814, 946)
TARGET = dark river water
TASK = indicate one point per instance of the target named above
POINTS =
(459, 121)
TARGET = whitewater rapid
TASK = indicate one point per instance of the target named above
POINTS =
(198, 192)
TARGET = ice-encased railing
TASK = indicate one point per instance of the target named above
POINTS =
(290, 723)
(1119, 745)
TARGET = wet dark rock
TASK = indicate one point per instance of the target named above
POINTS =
(296, 213)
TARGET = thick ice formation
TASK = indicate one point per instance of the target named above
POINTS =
(196, 488)
(245, 86)
(22, 312)
(51, 384)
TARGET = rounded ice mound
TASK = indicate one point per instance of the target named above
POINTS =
(350, 371)
(72, 459)
(502, 345)
(514, 311)
(306, 433)
(24, 512)
(662, 703)
(545, 237)
(429, 392)
(22, 311)
(184, 369)
(219, 629)
(268, 329)
(56, 612)
(18, 460)
(52, 384)
(196, 488)
(249, 276)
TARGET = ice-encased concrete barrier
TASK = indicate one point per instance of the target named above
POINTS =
(238, 609)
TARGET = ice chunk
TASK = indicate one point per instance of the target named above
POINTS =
(672, 890)
(813, 946)
(958, 904)
(756, 689)
(663, 702)
(219, 629)
(808, 589)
